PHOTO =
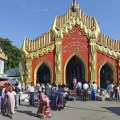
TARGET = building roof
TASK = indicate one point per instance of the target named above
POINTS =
(64, 23)
(14, 72)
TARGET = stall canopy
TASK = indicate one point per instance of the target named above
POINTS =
(13, 75)
(14, 72)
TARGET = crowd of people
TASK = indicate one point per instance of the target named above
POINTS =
(57, 95)
(90, 91)
(51, 96)
(9, 99)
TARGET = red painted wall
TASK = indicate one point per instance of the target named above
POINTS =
(75, 42)
(101, 59)
(49, 58)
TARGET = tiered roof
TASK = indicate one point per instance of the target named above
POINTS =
(59, 22)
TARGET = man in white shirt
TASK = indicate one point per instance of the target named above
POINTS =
(110, 89)
(85, 86)
(85, 90)
(78, 88)
(94, 91)
(31, 93)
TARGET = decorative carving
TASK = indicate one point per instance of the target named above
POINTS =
(106, 41)
(58, 55)
(29, 70)
(74, 20)
(41, 52)
(108, 52)
(58, 60)
(92, 59)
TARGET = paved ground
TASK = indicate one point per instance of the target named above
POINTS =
(78, 110)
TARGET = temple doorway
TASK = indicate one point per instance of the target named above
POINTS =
(106, 75)
(75, 69)
(43, 74)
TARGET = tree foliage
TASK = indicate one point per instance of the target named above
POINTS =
(12, 52)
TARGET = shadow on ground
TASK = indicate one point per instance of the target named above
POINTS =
(27, 105)
(26, 112)
(115, 110)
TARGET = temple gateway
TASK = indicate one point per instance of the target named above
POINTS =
(73, 48)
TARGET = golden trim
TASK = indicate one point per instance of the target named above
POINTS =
(106, 41)
(108, 52)
(74, 20)
(58, 71)
(92, 60)
(41, 52)
(29, 70)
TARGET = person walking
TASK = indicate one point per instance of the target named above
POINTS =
(94, 91)
(89, 90)
(78, 88)
(110, 89)
(116, 92)
(11, 101)
(85, 91)
(31, 94)
(8, 104)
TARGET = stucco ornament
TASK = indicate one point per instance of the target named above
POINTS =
(108, 52)
(58, 60)
(29, 70)
(58, 54)
(93, 59)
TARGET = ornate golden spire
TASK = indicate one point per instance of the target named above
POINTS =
(74, 1)
(74, 6)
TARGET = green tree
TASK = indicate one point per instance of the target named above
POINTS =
(12, 52)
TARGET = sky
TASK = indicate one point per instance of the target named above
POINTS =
(31, 18)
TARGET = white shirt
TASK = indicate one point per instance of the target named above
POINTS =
(118, 89)
(79, 85)
(30, 89)
(19, 86)
(94, 86)
(110, 87)
(85, 86)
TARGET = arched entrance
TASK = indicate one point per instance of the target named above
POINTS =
(75, 69)
(43, 74)
(106, 75)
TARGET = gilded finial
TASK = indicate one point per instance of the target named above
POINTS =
(74, 6)
(74, 2)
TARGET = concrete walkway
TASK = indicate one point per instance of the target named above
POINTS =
(77, 110)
